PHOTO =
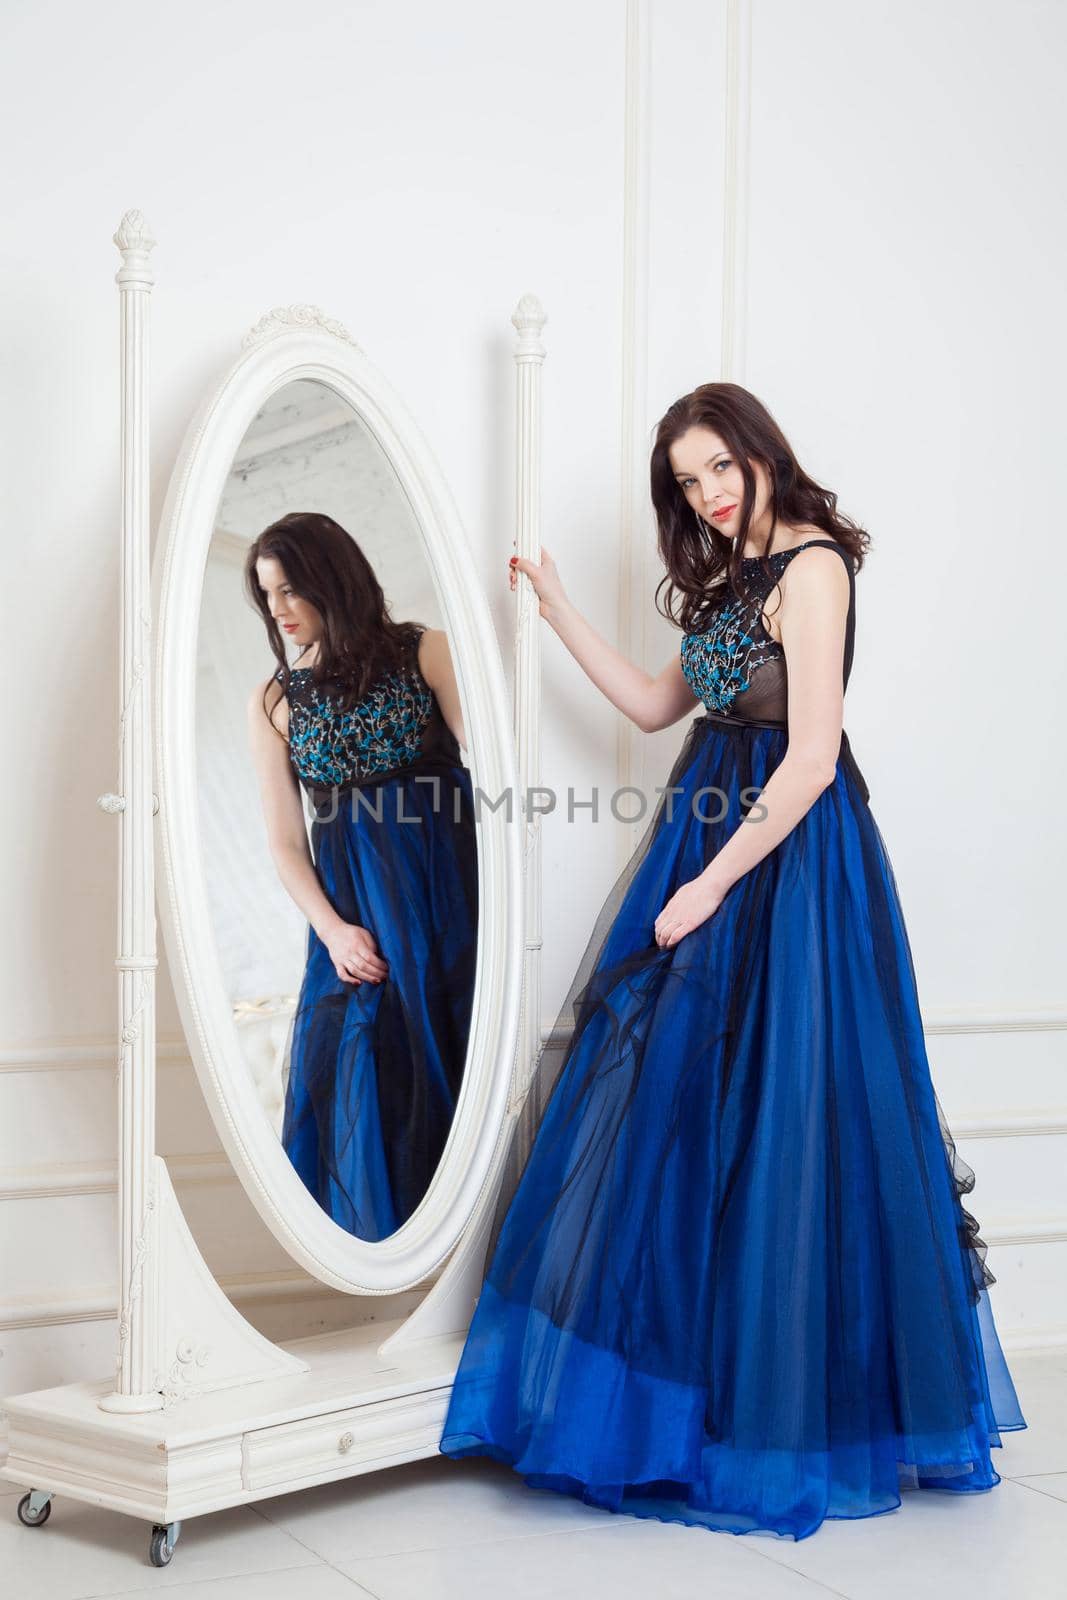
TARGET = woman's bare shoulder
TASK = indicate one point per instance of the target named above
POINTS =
(816, 572)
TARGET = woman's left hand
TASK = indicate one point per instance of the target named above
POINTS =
(686, 909)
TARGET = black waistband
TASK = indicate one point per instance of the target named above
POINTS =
(720, 719)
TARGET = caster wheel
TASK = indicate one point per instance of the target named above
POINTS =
(33, 1518)
(160, 1549)
(161, 1544)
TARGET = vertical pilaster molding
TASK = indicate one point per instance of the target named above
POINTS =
(529, 320)
(738, 105)
(136, 961)
(633, 557)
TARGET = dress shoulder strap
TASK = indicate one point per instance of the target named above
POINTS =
(850, 625)
(830, 545)
(413, 649)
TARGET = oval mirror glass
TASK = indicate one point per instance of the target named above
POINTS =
(336, 809)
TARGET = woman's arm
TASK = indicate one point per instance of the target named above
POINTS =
(287, 837)
(435, 664)
(283, 813)
(812, 617)
(651, 703)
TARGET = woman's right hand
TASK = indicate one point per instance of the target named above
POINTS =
(543, 576)
(354, 953)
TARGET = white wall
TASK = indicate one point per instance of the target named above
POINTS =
(905, 321)
(413, 170)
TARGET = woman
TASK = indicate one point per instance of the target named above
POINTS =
(733, 1284)
(369, 723)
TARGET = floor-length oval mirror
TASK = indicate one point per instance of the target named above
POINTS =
(340, 890)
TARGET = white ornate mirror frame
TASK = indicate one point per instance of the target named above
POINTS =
(286, 347)
(202, 1410)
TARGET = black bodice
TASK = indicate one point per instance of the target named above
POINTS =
(734, 665)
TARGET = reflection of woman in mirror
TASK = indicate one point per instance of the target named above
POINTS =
(733, 1283)
(368, 722)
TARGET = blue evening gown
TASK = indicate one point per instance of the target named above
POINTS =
(730, 1280)
(375, 1068)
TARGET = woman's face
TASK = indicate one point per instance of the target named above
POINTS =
(710, 478)
(298, 619)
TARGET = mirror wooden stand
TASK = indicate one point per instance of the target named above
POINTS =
(202, 1411)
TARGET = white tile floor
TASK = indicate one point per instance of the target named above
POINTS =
(471, 1530)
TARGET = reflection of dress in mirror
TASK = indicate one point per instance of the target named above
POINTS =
(368, 721)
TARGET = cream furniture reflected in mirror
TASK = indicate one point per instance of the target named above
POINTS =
(202, 1410)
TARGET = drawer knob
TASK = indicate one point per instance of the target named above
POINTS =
(344, 1443)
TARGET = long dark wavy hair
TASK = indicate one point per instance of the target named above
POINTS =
(323, 564)
(703, 565)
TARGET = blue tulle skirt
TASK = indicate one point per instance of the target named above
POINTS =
(375, 1068)
(732, 1282)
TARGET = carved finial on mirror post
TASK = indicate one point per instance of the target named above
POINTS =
(133, 238)
(528, 319)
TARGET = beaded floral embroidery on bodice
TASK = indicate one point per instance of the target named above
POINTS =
(736, 659)
(329, 745)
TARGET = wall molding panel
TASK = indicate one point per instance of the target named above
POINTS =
(93, 1055)
(1050, 1020)
(1045, 1021)
(737, 113)
(633, 569)
(99, 1302)
(50, 1179)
